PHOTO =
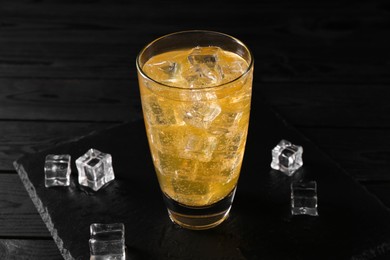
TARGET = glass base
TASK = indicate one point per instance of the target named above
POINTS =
(199, 218)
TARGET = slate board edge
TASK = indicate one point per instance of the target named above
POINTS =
(42, 210)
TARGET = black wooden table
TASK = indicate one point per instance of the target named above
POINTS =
(67, 68)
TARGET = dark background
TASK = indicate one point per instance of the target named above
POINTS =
(68, 68)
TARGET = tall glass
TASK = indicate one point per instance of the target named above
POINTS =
(196, 89)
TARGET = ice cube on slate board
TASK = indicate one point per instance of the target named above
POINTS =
(304, 198)
(57, 170)
(107, 241)
(95, 169)
(287, 157)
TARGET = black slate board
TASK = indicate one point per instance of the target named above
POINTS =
(352, 224)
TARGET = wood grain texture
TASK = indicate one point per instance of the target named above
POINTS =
(18, 215)
(302, 42)
(19, 249)
(18, 138)
(330, 105)
(68, 68)
(69, 100)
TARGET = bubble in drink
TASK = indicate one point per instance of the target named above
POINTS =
(199, 147)
(157, 113)
(201, 114)
(197, 133)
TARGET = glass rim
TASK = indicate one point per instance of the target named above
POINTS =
(247, 70)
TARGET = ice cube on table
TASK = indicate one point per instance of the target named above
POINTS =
(95, 169)
(57, 170)
(304, 198)
(107, 241)
(287, 157)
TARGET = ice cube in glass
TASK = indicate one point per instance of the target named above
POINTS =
(107, 241)
(57, 170)
(287, 157)
(95, 169)
(201, 114)
(203, 69)
(304, 198)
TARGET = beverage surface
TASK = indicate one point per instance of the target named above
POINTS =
(195, 68)
(197, 139)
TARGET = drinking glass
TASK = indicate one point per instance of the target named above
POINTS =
(196, 89)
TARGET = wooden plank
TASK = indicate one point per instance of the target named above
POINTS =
(328, 16)
(116, 60)
(315, 104)
(19, 249)
(68, 60)
(18, 215)
(71, 100)
(299, 42)
(22, 137)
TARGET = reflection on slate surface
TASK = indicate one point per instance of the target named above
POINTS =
(351, 224)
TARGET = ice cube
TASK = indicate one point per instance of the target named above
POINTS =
(225, 123)
(231, 118)
(167, 71)
(165, 137)
(232, 68)
(204, 55)
(304, 198)
(203, 69)
(169, 67)
(168, 164)
(107, 241)
(230, 143)
(201, 114)
(95, 169)
(57, 170)
(157, 113)
(287, 157)
(198, 147)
